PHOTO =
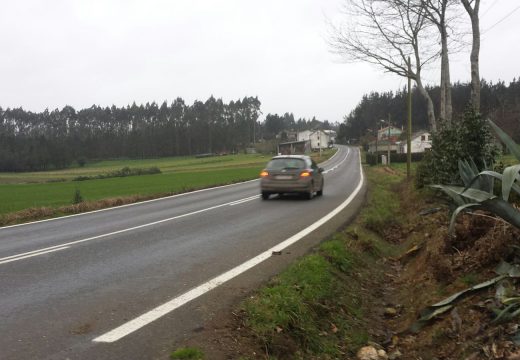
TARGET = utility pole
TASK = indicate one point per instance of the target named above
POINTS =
(409, 127)
(377, 136)
(388, 143)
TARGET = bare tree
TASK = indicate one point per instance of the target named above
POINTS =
(472, 8)
(436, 12)
(387, 33)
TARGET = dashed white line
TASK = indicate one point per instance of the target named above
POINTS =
(66, 245)
(49, 249)
(338, 164)
(128, 205)
(30, 254)
(238, 202)
(154, 314)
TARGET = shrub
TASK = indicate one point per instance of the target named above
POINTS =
(478, 189)
(124, 172)
(371, 159)
(423, 171)
(81, 162)
(77, 198)
(470, 138)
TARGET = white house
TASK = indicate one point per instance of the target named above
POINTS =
(318, 138)
(421, 141)
(394, 132)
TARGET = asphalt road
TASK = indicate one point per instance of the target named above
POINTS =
(129, 282)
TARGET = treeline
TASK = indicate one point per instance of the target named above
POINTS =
(56, 139)
(499, 102)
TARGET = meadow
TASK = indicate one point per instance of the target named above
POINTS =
(55, 189)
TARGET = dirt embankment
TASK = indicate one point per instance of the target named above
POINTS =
(434, 265)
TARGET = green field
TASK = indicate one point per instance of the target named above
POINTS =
(17, 197)
(167, 165)
(19, 191)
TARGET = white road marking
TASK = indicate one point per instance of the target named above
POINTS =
(49, 249)
(66, 245)
(238, 202)
(30, 254)
(154, 314)
(139, 203)
(338, 164)
(127, 205)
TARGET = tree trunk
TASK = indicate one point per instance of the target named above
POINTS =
(429, 104)
(475, 50)
(446, 106)
(437, 15)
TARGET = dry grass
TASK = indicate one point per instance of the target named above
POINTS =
(42, 213)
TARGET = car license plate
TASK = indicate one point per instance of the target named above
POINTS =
(283, 177)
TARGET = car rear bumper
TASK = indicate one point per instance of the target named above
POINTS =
(278, 186)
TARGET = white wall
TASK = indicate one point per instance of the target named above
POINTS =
(318, 138)
(418, 145)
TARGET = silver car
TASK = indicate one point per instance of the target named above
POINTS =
(291, 174)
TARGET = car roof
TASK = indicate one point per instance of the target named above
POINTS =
(302, 157)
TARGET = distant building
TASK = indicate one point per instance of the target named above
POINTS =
(319, 139)
(294, 147)
(382, 146)
(421, 141)
(332, 136)
(395, 133)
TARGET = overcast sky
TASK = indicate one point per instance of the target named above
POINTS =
(83, 52)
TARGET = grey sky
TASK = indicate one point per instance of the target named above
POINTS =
(79, 53)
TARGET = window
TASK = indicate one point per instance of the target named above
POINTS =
(423, 137)
(286, 163)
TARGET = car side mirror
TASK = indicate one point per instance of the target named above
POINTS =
(321, 170)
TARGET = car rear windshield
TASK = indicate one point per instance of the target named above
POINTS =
(287, 164)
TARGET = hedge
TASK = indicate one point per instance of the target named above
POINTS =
(394, 157)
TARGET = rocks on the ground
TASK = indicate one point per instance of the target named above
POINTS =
(371, 353)
(391, 312)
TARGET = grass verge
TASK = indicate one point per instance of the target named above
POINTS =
(187, 354)
(322, 306)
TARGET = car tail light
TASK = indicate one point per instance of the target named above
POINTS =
(305, 173)
(264, 173)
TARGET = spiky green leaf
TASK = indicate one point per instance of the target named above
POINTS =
(503, 209)
(510, 175)
(457, 212)
(506, 139)
(457, 199)
(505, 268)
(466, 173)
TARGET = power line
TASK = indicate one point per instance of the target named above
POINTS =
(499, 21)
(489, 8)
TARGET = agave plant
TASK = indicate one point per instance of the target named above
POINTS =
(478, 189)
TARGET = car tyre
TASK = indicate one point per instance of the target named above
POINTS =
(309, 195)
(320, 191)
(265, 195)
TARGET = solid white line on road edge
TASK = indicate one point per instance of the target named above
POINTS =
(154, 314)
(51, 248)
(31, 254)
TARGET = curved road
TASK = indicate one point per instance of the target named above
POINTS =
(126, 282)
